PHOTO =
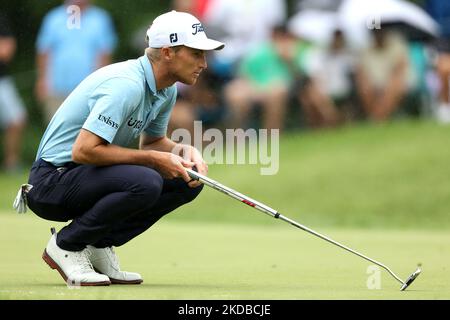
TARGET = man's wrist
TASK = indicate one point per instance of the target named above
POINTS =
(152, 158)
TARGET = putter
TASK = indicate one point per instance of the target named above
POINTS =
(275, 214)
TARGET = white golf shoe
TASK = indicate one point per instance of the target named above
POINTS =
(74, 266)
(105, 260)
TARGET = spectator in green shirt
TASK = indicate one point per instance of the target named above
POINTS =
(265, 78)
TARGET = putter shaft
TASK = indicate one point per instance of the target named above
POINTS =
(271, 212)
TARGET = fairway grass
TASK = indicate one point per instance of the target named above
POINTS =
(193, 260)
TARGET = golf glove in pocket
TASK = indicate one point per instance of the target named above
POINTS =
(20, 203)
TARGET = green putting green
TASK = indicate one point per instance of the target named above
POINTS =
(183, 260)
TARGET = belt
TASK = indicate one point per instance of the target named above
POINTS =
(42, 163)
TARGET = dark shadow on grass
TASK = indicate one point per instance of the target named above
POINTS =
(241, 287)
(173, 286)
(222, 287)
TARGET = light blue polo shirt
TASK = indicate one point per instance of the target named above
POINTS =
(117, 103)
(74, 49)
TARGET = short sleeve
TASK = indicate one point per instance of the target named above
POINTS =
(158, 127)
(108, 38)
(46, 33)
(110, 104)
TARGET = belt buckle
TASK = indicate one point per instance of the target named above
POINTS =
(61, 169)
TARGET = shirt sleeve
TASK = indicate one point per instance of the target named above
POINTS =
(107, 38)
(110, 104)
(46, 33)
(158, 127)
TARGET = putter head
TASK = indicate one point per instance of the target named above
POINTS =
(411, 279)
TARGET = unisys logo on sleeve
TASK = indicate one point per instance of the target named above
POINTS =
(108, 121)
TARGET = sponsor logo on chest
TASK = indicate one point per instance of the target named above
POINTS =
(135, 123)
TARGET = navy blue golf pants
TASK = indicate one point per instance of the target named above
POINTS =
(108, 205)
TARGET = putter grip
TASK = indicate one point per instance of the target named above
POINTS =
(192, 174)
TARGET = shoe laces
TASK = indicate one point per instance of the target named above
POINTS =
(81, 258)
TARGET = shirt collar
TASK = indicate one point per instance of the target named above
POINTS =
(150, 77)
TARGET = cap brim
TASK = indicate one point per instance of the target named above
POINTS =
(206, 44)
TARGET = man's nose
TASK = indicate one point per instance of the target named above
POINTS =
(204, 63)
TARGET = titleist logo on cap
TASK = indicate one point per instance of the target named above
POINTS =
(197, 28)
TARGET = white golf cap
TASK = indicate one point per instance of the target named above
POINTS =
(180, 28)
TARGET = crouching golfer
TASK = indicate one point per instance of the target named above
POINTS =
(84, 171)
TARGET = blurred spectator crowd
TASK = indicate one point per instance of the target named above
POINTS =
(328, 63)
(318, 68)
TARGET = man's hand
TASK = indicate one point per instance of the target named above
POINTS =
(192, 157)
(171, 166)
(192, 154)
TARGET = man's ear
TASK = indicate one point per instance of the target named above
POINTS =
(167, 53)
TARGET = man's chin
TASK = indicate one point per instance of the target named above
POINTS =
(189, 82)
